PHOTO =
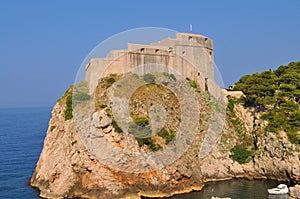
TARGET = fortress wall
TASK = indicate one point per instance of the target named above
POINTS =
(215, 90)
(94, 70)
(190, 55)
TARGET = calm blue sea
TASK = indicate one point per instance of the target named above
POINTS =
(22, 132)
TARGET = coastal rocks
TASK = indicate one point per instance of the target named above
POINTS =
(66, 168)
(295, 192)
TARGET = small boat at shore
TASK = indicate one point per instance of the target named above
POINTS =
(280, 189)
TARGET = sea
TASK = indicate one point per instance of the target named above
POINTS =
(22, 133)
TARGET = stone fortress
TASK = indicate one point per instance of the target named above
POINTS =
(189, 55)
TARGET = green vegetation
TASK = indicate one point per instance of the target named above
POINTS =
(116, 126)
(206, 86)
(241, 155)
(69, 108)
(150, 142)
(141, 121)
(143, 136)
(102, 106)
(74, 142)
(170, 76)
(52, 128)
(167, 135)
(80, 97)
(80, 93)
(244, 139)
(108, 112)
(193, 84)
(110, 81)
(149, 78)
(276, 94)
(142, 132)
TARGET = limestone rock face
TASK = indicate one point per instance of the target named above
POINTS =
(295, 192)
(66, 168)
(101, 120)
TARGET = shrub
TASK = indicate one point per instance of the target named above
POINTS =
(167, 135)
(116, 126)
(139, 131)
(193, 84)
(74, 142)
(240, 155)
(102, 106)
(141, 121)
(110, 80)
(230, 105)
(150, 142)
(149, 78)
(52, 128)
(172, 76)
(69, 108)
(294, 137)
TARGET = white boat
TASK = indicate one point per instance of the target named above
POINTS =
(280, 189)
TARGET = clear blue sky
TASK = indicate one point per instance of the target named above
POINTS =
(42, 43)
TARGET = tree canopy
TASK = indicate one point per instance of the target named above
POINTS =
(276, 94)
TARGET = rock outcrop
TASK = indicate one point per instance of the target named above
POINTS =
(295, 192)
(67, 168)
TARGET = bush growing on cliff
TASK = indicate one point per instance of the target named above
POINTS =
(277, 95)
(116, 126)
(240, 155)
(150, 142)
(141, 121)
(69, 108)
(167, 135)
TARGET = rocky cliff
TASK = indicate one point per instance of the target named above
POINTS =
(67, 168)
